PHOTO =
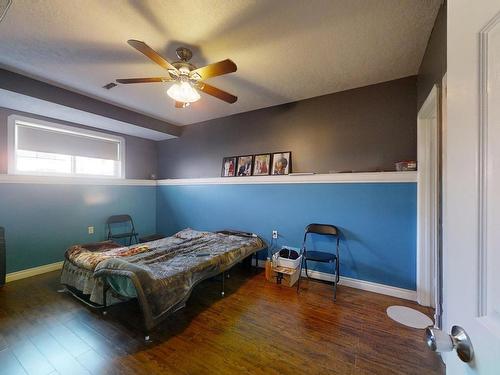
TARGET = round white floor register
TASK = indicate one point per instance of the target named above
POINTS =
(409, 317)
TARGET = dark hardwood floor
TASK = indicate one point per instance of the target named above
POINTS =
(257, 328)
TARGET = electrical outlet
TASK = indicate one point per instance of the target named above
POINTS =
(275, 234)
(90, 230)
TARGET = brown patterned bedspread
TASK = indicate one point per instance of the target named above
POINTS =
(163, 272)
(88, 256)
(164, 275)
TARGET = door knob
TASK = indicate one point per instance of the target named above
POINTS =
(439, 341)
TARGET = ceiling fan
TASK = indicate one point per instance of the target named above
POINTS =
(187, 78)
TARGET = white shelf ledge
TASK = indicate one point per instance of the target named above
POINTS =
(56, 180)
(332, 178)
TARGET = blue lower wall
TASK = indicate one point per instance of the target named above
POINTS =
(42, 220)
(378, 220)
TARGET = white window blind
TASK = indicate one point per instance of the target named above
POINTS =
(39, 147)
(34, 138)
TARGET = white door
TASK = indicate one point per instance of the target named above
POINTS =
(471, 246)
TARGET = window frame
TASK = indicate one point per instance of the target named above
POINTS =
(12, 146)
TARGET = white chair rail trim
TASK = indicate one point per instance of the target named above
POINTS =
(371, 177)
(52, 180)
(339, 178)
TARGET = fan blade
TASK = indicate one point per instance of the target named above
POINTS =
(151, 53)
(144, 80)
(216, 69)
(218, 93)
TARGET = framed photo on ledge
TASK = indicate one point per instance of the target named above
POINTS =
(229, 166)
(281, 163)
(244, 165)
(261, 165)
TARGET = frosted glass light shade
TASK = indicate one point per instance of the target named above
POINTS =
(183, 92)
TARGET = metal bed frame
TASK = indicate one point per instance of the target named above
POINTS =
(150, 321)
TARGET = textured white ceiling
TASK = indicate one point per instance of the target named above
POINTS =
(286, 50)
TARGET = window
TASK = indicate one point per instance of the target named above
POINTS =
(42, 148)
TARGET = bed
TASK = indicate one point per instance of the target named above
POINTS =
(161, 274)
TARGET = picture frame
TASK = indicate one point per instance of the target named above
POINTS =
(281, 163)
(228, 166)
(244, 165)
(261, 165)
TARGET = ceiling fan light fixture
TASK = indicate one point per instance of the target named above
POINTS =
(187, 79)
(183, 92)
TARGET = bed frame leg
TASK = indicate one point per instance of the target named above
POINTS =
(105, 289)
(146, 330)
(223, 278)
(147, 335)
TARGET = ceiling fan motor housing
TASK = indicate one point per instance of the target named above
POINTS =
(183, 67)
(184, 54)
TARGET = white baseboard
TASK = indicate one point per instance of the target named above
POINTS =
(361, 284)
(18, 275)
(347, 281)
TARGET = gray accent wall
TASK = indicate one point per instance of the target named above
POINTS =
(141, 155)
(30, 87)
(433, 66)
(364, 129)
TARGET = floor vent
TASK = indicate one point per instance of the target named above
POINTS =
(4, 7)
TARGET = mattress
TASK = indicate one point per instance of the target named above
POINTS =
(160, 274)
(79, 265)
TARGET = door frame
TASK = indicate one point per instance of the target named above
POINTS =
(429, 200)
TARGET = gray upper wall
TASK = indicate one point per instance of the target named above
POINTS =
(433, 66)
(30, 87)
(141, 156)
(364, 129)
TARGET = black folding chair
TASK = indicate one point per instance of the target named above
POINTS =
(322, 256)
(121, 221)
